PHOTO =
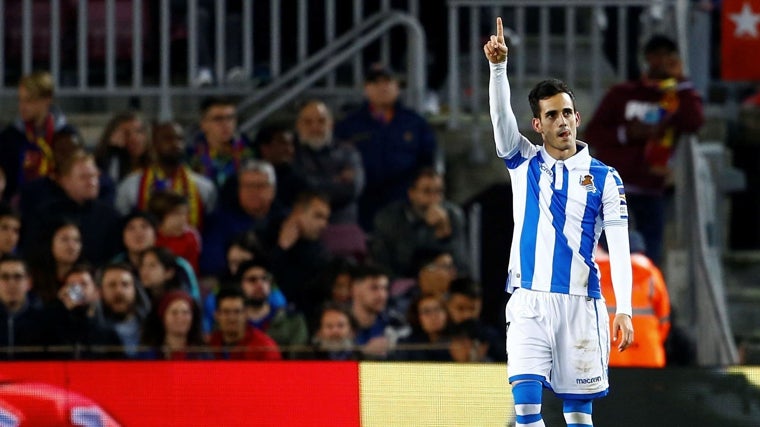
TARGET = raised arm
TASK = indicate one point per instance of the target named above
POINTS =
(506, 132)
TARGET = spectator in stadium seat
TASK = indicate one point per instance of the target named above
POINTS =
(76, 319)
(427, 342)
(336, 170)
(299, 244)
(160, 272)
(125, 304)
(434, 270)
(285, 325)
(138, 235)
(334, 282)
(10, 228)
(379, 329)
(254, 208)
(394, 142)
(464, 301)
(75, 197)
(123, 146)
(333, 168)
(174, 231)
(53, 255)
(334, 338)
(275, 144)
(235, 338)
(217, 150)
(22, 321)
(244, 247)
(422, 219)
(636, 129)
(467, 344)
(173, 331)
(26, 145)
(39, 191)
(168, 172)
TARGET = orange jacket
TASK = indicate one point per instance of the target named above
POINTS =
(651, 312)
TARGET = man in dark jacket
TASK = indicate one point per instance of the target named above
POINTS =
(394, 142)
(75, 197)
(21, 321)
(635, 130)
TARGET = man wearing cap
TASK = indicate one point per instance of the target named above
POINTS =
(393, 140)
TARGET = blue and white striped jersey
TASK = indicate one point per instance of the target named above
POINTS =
(559, 207)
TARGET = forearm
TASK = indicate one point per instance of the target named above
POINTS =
(620, 266)
(506, 132)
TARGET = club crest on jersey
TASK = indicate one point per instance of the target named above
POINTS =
(587, 181)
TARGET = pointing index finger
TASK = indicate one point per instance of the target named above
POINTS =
(499, 30)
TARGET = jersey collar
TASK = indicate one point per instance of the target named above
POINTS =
(578, 160)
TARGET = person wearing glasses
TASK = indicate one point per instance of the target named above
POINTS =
(21, 319)
(217, 149)
(285, 325)
(236, 339)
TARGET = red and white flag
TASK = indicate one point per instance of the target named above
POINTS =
(740, 23)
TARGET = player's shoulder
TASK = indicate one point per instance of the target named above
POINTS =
(606, 170)
(601, 166)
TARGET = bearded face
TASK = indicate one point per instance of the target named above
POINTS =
(118, 292)
(314, 125)
(335, 332)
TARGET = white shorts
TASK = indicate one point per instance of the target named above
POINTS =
(561, 340)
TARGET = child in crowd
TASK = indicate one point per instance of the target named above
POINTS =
(174, 230)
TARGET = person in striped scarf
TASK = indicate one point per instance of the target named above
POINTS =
(168, 171)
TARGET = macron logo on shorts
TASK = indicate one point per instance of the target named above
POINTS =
(588, 380)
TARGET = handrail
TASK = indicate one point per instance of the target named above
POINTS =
(311, 61)
(359, 37)
(699, 291)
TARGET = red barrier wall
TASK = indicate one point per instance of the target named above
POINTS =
(208, 393)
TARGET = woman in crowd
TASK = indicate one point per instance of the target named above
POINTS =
(174, 332)
(123, 146)
(52, 258)
(138, 235)
(428, 318)
(160, 273)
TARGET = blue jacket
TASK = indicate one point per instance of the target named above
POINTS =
(391, 154)
(226, 224)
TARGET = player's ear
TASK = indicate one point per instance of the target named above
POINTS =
(536, 124)
(577, 119)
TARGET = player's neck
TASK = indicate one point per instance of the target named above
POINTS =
(558, 154)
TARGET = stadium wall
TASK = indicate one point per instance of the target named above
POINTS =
(379, 394)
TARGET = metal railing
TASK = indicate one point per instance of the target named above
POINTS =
(548, 38)
(139, 48)
(561, 38)
(697, 286)
(323, 63)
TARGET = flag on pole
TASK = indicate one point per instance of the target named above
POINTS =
(740, 40)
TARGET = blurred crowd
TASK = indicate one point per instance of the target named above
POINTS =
(316, 239)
